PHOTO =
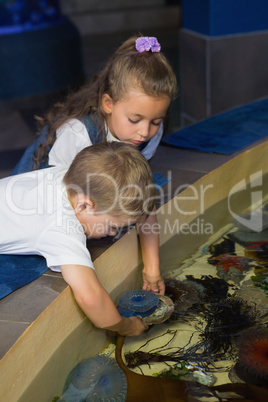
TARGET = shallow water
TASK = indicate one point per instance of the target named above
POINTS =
(205, 337)
(223, 291)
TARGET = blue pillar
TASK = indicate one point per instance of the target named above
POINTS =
(225, 17)
(224, 59)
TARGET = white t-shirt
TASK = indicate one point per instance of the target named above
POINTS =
(72, 137)
(36, 217)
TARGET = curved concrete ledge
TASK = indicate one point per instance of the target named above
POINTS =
(36, 367)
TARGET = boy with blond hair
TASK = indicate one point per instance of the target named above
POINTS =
(51, 212)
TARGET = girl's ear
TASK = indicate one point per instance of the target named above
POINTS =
(107, 103)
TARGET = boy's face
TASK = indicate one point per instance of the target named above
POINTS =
(135, 119)
(101, 225)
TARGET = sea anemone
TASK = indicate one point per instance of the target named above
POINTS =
(227, 246)
(243, 238)
(214, 289)
(257, 250)
(252, 365)
(224, 319)
(137, 302)
(95, 379)
(182, 293)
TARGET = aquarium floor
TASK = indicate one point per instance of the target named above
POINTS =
(17, 128)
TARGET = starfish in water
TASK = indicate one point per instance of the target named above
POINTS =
(227, 261)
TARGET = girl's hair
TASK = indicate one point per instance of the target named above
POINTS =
(116, 177)
(127, 69)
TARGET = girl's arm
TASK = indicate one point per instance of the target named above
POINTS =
(96, 302)
(149, 240)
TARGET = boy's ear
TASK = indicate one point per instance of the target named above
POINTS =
(83, 204)
(107, 103)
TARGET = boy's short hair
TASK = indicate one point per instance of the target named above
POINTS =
(116, 177)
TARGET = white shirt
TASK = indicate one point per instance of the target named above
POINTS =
(72, 137)
(36, 217)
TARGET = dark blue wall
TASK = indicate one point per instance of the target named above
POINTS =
(222, 17)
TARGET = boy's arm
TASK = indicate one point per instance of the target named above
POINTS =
(149, 240)
(96, 302)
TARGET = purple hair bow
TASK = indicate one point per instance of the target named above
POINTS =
(146, 43)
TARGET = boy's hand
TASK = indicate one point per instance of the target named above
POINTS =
(155, 283)
(131, 326)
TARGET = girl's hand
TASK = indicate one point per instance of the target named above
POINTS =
(149, 241)
(154, 283)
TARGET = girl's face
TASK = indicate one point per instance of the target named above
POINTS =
(135, 119)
